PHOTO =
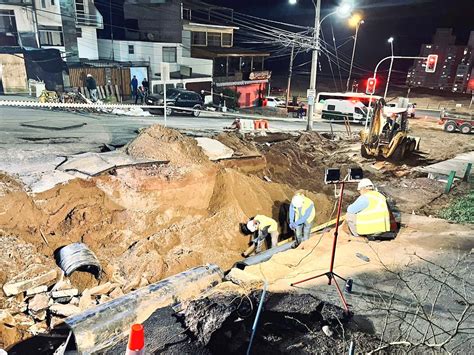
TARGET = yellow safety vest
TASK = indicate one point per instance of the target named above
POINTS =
(265, 221)
(306, 204)
(375, 218)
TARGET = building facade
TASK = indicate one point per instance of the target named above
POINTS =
(454, 68)
(67, 25)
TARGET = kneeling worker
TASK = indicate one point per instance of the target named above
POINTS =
(265, 226)
(368, 214)
(302, 215)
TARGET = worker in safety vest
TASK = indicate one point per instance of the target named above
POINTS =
(302, 215)
(265, 226)
(368, 214)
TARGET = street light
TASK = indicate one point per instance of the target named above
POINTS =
(344, 9)
(354, 21)
(390, 40)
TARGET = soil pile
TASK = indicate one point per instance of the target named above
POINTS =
(300, 162)
(161, 143)
(241, 147)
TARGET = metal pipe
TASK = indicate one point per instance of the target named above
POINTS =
(257, 317)
(105, 325)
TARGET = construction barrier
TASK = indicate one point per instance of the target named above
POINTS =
(136, 341)
(260, 124)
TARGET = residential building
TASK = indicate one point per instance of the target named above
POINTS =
(67, 25)
(454, 67)
(204, 47)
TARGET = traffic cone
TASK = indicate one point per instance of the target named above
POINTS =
(136, 342)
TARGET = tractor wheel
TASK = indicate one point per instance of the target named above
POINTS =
(399, 152)
(465, 128)
(363, 151)
(450, 126)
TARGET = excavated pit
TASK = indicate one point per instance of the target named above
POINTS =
(144, 223)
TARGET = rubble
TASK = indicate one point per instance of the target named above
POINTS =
(23, 281)
(38, 303)
(38, 328)
(35, 290)
(102, 289)
(65, 293)
(65, 310)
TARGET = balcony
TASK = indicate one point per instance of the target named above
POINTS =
(17, 2)
(88, 15)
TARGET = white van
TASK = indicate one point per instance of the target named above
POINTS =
(336, 110)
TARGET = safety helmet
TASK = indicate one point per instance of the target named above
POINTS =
(89, 75)
(365, 184)
(251, 226)
(297, 201)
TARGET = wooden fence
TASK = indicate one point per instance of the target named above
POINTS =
(103, 76)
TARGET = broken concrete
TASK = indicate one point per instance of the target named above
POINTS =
(43, 277)
(214, 149)
(35, 290)
(38, 302)
(65, 310)
(102, 289)
(65, 293)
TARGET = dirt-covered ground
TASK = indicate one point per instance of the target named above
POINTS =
(147, 223)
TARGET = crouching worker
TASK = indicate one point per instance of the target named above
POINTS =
(302, 215)
(369, 214)
(261, 227)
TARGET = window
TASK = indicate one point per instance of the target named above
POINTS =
(185, 96)
(43, 3)
(131, 49)
(331, 107)
(227, 40)
(186, 14)
(51, 35)
(180, 85)
(169, 54)
(214, 39)
(199, 39)
(8, 31)
(52, 2)
(78, 32)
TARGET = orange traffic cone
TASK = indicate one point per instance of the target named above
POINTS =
(136, 342)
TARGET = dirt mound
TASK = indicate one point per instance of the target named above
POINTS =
(300, 162)
(161, 143)
(241, 147)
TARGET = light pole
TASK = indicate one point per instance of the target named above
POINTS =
(342, 9)
(390, 40)
(356, 20)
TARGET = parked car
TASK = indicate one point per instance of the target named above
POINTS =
(273, 101)
(178, 100)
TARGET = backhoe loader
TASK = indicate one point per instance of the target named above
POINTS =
(387, 138)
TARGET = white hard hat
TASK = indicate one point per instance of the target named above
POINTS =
(365, 184)
(89, 75)
(297, 201)
(251, 226)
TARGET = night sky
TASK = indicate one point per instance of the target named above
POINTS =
(410, 22)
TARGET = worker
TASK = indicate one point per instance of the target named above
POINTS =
(368, 214)
(302, 215)
(265, 226)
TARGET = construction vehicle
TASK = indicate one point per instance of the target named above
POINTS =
(388, 138)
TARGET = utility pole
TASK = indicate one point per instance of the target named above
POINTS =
(290, 73)
(111, 30)
(314, 62)
(353, 53)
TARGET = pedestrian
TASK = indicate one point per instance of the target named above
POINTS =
(146, 87)
(91, 85)
(140, 94)
(301, 110)
(134, 86)
(302, 215)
